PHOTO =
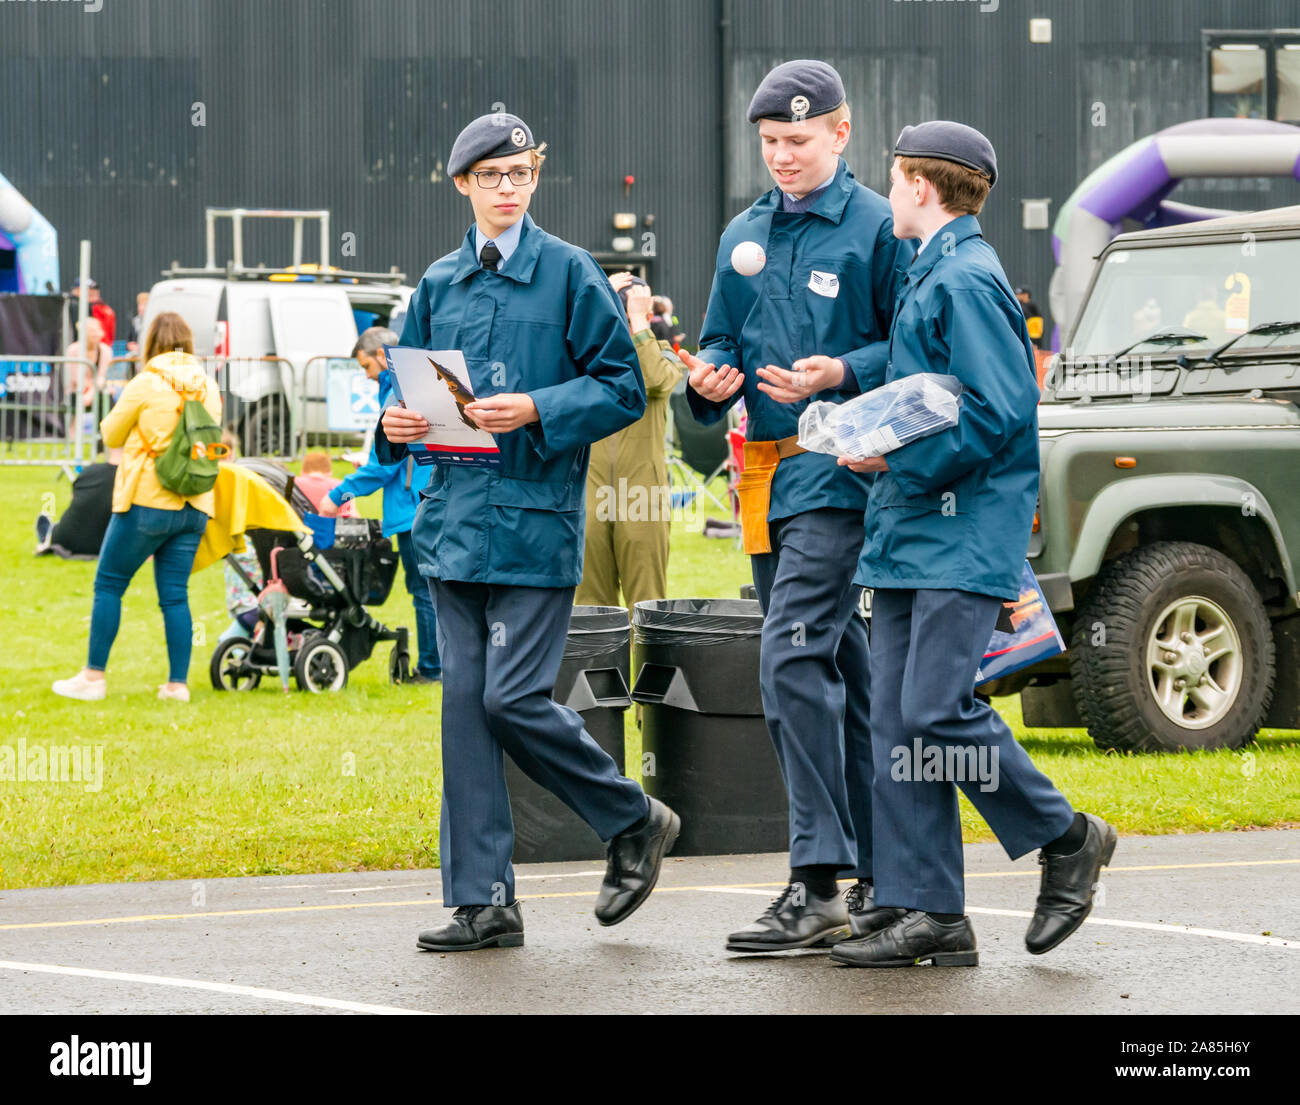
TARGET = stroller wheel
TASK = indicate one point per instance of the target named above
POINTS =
(320, 665)
(399, 665)
(229, 666)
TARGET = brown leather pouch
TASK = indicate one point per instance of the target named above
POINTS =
(754, 490)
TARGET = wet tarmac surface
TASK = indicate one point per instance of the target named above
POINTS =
(1185, 924)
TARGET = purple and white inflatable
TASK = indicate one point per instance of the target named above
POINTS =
(1133, 185)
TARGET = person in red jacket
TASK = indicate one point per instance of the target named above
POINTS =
(100, 310)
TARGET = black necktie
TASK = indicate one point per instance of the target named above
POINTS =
(490, 256)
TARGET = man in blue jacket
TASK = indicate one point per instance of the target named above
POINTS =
(401, 486)
(949, 525)
(805, 283)
(552, 363)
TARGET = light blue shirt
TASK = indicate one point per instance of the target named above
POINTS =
(506, 241)
(804, 203)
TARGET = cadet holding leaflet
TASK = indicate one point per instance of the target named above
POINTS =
(550, 358)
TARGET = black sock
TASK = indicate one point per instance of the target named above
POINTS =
(819, 878)
(946, 918)
(1071, 840)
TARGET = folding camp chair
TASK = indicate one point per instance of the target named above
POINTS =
(696, 454)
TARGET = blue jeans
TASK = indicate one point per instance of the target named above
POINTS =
(426, 620)
(172, 538)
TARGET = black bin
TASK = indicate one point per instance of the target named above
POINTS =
(593, 679)
(706, 750)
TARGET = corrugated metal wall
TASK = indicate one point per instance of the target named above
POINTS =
(352, 105)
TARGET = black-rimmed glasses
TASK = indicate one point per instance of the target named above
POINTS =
(490, 178)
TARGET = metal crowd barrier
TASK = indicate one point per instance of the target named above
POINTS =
(337, 405)
(255, 404)
(50, 408)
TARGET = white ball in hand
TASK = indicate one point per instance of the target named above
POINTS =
(748, 258)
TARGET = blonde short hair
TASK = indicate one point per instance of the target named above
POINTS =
(840, 114)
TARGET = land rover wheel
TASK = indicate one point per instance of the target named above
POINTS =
(1172, 651)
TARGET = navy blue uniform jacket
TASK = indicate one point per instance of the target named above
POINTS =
(828, 287)
(549, 324)
(955, 509)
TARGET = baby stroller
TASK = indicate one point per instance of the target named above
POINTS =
(330, 576)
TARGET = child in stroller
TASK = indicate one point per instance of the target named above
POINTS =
(330, 575)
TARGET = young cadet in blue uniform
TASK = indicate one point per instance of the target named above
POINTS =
(553, 365)
(822, 302)
(949, 525)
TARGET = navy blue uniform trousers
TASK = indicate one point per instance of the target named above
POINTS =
(815, 674)
(501, 650)
(926, 646)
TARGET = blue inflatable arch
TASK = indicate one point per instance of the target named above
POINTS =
(29, 246)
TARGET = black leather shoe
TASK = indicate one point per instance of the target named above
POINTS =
(865, 917)
(1065, 892)
(910, 940)
(632, 864)
(798, 918)
(477, 926)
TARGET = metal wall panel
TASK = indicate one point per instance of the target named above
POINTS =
(352, 105)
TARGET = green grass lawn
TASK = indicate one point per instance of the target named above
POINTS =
(268, 783)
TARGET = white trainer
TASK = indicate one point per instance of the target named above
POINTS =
(177, 694)
(79, 687)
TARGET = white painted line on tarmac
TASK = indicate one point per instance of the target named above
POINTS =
(213, 987)
(1153, 926)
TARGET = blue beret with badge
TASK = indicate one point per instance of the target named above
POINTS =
(949, 141)
(795, 90)
(497, 135)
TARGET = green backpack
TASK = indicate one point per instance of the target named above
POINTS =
(188, 466)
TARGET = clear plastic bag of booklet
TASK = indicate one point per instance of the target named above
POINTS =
(884, 419)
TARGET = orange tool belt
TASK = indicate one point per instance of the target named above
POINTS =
(755, 489)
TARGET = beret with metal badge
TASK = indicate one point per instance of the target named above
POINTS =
(799, 89)
(497, 135)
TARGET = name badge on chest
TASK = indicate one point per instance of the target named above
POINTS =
(824, 283)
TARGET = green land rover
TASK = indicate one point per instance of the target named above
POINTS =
(1169, 506)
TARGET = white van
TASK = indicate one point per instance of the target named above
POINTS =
(268, 332)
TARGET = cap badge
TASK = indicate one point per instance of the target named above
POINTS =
(518, 137)
(799, 105)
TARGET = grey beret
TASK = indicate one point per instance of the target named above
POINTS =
(497, 135)
(949, 141)
(797, 90)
